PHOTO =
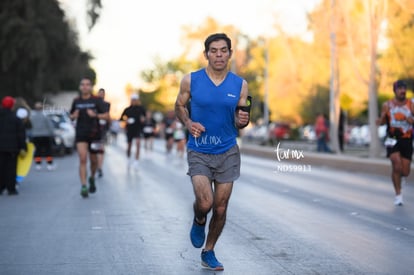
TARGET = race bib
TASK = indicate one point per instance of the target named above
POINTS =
(169, 130)
(102, 122)
(131, 120)
(96, 146)
(179, 134)
(148, 130)
(390, 142)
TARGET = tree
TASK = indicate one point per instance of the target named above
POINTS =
(372, 47)
(39, 52)
(93, 11)
(397, 58)
(358, 30)
(163, 83)
(287, 83)
(315, 103)
(163, 80)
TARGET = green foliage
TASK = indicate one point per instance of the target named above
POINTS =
(149, 100)
(94, 8)
(39, 52)
(298, 70)
(295, 133)
(381, 99)
(397, 61)
(164, 81)
(314, 104)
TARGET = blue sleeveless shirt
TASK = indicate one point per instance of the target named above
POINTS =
(214, 106)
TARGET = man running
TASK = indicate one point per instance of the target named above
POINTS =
(179, 137)
(168, 124)
(104, 123)
(87, 110)
(218, 110)
(134, 115)
(149, 127)
(397, 113)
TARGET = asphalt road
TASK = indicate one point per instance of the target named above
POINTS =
(283, 218)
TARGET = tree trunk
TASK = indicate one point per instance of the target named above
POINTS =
(374, 21)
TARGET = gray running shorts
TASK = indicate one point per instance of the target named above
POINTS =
(222, 168)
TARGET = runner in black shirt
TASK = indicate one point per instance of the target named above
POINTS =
(168, 124)
(149, 127)
(104, 127)
(134, 115)
(87, 110)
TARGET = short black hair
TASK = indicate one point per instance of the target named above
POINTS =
(398, 84)
(86, 78)
(216, 37)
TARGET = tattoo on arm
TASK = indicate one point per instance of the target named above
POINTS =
(183, 97)
(181, 112)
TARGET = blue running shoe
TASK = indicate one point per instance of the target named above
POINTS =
(197, 234)
(209, 260)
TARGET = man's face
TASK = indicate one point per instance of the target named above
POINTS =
(101, 94)
(400, 93)
(218, 55)
(85, 86)
(134, 102)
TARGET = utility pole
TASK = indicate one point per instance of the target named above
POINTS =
(334, 87)
(375, 18)
(266, 84)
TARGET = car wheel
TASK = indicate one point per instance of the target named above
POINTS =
(68, 150)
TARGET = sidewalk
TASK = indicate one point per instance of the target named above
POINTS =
(352, 160)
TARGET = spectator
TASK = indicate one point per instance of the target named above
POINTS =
(22, 110)
(12, 142)
(42, 134)
(322, 133)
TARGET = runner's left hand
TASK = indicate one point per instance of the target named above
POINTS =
(242, 117)
(91, 113)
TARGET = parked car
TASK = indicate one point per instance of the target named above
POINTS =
(308, 133)
(257, 134)
(278, 131)
(64, 140)
(361, 135)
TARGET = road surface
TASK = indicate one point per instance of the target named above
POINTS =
(280, 221)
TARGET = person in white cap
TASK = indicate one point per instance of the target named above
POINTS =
(134, 115)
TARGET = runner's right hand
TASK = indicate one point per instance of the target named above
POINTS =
(75, 114)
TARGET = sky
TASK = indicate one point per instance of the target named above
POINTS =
(130, 34)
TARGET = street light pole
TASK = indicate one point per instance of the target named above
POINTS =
(266, 85)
